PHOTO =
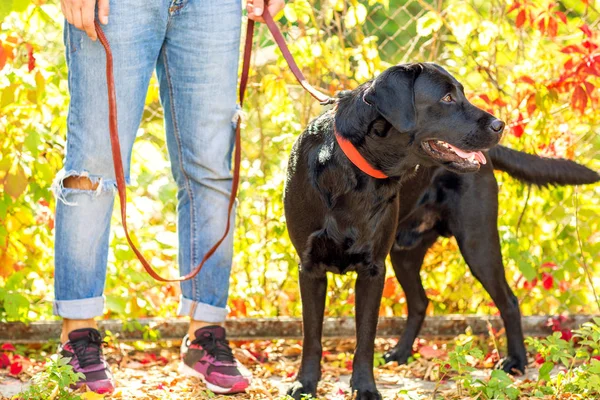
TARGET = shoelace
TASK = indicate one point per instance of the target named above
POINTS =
(87, 349)
(218, 348)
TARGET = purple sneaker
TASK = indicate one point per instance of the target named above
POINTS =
(84, 348)
(210, 358)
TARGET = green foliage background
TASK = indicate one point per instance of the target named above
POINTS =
(511, 58)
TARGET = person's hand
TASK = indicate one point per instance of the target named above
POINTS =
(80, 14)
(255, 8)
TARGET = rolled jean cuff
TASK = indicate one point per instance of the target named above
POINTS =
(203, 312)
(80, 308)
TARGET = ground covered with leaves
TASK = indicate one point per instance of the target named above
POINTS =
(565, 365)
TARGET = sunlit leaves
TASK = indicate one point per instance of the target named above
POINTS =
(429, 23)
(355, 15)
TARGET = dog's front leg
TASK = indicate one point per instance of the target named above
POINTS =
(313, 289)
(369, 287)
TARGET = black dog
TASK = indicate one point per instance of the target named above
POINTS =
(442, 203)
(340, 219)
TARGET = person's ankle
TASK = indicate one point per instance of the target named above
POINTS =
(69, 325)
(195, 325)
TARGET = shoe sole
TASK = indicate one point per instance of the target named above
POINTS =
(238, 387)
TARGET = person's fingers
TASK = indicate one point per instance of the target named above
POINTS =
(68, 12)
(87, 18)
(275, 6)
(259, 6)
(103, 10)
(255, 10)
(76, 14)
(62, 8)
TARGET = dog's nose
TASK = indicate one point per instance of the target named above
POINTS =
(497, 126)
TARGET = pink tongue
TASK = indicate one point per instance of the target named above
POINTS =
(466, 154)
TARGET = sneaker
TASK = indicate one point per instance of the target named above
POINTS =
(84, 348)
(210, 358)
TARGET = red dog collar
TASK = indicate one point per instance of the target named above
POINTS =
(356, 158)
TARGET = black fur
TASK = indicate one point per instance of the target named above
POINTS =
(339, 219)
(443, 203)
(541, 171)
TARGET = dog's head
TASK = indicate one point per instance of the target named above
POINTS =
(427, 113)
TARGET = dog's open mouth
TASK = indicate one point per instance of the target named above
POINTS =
(446, 153)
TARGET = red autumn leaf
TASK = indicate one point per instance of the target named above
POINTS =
(562, 16)
(429, 353)
(586, 30)
(579, 99)
(16, 368)
(390, 288)
(566, 334)
(2, 57)
(552, 27)
(530, 285)
(539, 359)
(519, 128)
(4, 361)
(514, 6)
(239, 307)
(348, 365)
(531, 104)
(492, 357)
(549, 265)
(484, 97)
(8, 347)
(589, 88)
(526, 79)
(547, 281)
(30, 58)
(591, 46)
(563, 286)
(569, 64)
(542, 25)
(499, 102)
(160, 386)
(351, 299)
(520, 19)
(572, 48)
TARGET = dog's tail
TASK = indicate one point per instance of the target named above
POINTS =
(541, 171)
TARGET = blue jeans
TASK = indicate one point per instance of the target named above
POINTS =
(194, 47)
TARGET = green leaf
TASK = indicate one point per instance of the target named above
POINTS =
(5, 8)
(545, 370)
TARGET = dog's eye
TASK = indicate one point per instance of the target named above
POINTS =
(447, 98)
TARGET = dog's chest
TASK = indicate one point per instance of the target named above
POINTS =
(354, 234)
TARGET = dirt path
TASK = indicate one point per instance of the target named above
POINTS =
(152, 373)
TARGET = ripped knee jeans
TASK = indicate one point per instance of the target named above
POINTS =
(194, 50)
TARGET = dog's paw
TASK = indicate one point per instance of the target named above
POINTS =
(300, 390)
(512, 365)
(397, 354)
(370, 394)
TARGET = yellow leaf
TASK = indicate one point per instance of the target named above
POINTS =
(16, 182)
(92, 396)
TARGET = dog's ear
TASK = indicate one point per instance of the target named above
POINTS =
(393, 95)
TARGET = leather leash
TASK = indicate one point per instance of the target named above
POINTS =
(116, 147)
